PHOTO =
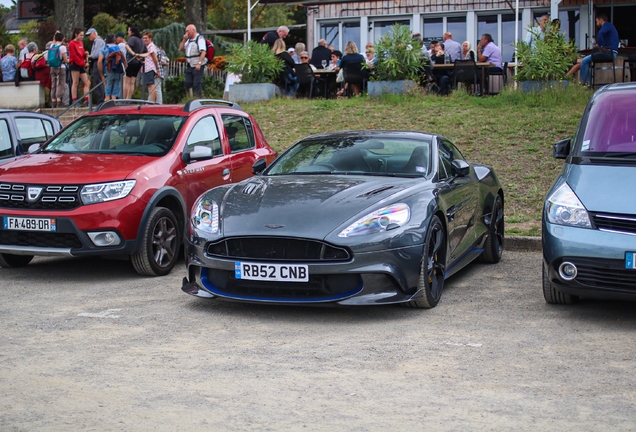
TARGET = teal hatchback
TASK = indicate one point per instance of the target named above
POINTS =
(589, 215)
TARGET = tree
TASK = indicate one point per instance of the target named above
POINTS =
(196, 13)
(69, 14)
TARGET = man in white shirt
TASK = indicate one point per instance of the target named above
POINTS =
(195, 51)
(537, 33)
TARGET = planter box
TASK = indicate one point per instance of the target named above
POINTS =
(378, 88)
(30, 94)
(251, 92)
(537, 86)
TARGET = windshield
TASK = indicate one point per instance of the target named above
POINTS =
(382, 156)
(148, 135)
(611, 126)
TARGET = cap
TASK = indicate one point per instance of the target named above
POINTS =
(90, 30)
(291, 50)
(120, 34)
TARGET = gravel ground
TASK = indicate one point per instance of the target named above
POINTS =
(89, 345)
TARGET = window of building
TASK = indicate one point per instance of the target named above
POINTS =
(432, 28)
(338, 35)
(457, 27)
(505, 38)
(381, 28)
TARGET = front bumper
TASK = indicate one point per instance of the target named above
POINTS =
(599, 257)
(381, 277)
(71, 237)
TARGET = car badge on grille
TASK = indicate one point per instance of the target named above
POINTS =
(33, 193)
(273, 226)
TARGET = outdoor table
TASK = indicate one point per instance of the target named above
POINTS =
(484, 66)
(329, 75)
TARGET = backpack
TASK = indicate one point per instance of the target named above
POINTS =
(115, 60)
(53, 58)
(209, 50)
(27, 69)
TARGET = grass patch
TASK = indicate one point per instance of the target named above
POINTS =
(513, 132)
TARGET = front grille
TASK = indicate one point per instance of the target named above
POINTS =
(40, 239)
(615, 222)
(43, 197)
(319, 287)
(277, 249)
(604, 273)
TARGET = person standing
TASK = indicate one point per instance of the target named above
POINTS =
(77, 64)
(270, 37)
(98, 45)
(320, 53)
(537, 33)
(607, 37)
(151, 66)
(111, 63)
(22, 45)
(452, 48)
(57, 63)
(195, 50)
(134, 47)
(163, 62)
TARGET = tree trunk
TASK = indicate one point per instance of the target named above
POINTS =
(197, 14)
(69, 14)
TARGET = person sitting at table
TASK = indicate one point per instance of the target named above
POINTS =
(335, 58)
(287, 81)
(300, 47)
(320, 53)
(353, 58)
(304, 58)
(488, 52)
(370, 57)
(467, 51)
(432, 48)
(441, 77)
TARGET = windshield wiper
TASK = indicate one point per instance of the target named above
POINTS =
(620, 155)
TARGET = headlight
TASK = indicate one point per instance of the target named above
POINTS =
(102, 192)
(565, 208)
(390, 216)
(205, 216)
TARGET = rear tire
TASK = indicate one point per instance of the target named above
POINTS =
(494, 245)
(14, 261)
(159, 245)
(431, 280)
(553, 295)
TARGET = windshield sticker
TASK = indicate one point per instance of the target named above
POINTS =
(586, 145)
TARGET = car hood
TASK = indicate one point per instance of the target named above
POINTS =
(303, 206)
(70, 168)
(603, 188)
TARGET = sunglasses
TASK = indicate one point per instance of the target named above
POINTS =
(304, 57)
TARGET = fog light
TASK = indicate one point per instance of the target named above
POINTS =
(105, 238)
(567, 271)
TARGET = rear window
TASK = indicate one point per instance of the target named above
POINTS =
(611, 125)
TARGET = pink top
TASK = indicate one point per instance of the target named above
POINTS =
(149, 63)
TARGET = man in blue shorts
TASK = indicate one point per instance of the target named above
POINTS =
(111, 63)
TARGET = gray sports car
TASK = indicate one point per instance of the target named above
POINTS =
(347, 218)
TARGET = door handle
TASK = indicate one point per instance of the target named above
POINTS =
(226, 172)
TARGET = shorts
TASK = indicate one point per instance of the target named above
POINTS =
(75, 68)
(148, 78)
(113, 85)
(132, 69)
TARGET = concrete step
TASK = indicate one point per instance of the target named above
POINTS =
(68, 116)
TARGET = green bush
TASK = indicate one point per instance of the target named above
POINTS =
(398, 56)
(254, 62)
(549, 59)
(174, 89)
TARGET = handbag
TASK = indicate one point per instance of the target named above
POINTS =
(340, 76)
(602, 54)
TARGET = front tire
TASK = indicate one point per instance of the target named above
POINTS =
(553, 295)
(494, 245)
(14, 261)
(431, 280)
(159, 245)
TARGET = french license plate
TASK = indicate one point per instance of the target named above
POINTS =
(29, 224)
(271, 272)
(630, 260)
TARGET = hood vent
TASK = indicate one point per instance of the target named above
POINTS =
(252, 188)
(375, 191)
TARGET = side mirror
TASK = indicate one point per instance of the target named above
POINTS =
(33, 148)
(259, 166)
(198, 153)
(562, 149)
(460, 167)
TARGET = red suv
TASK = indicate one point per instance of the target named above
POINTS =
(122, 179)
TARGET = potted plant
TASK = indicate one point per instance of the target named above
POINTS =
(257, 67)
(545, 64)
(399, 62)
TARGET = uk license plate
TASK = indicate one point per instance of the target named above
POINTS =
(29, 224)
(271, 272)
(630, 260)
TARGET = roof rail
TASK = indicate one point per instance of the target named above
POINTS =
(116, 102)
(200, 103)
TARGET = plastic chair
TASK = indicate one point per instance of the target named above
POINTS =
(465, 71)
(353, 75)
(307, 79)
(599, 51)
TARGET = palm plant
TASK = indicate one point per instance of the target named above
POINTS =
(254, 62)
